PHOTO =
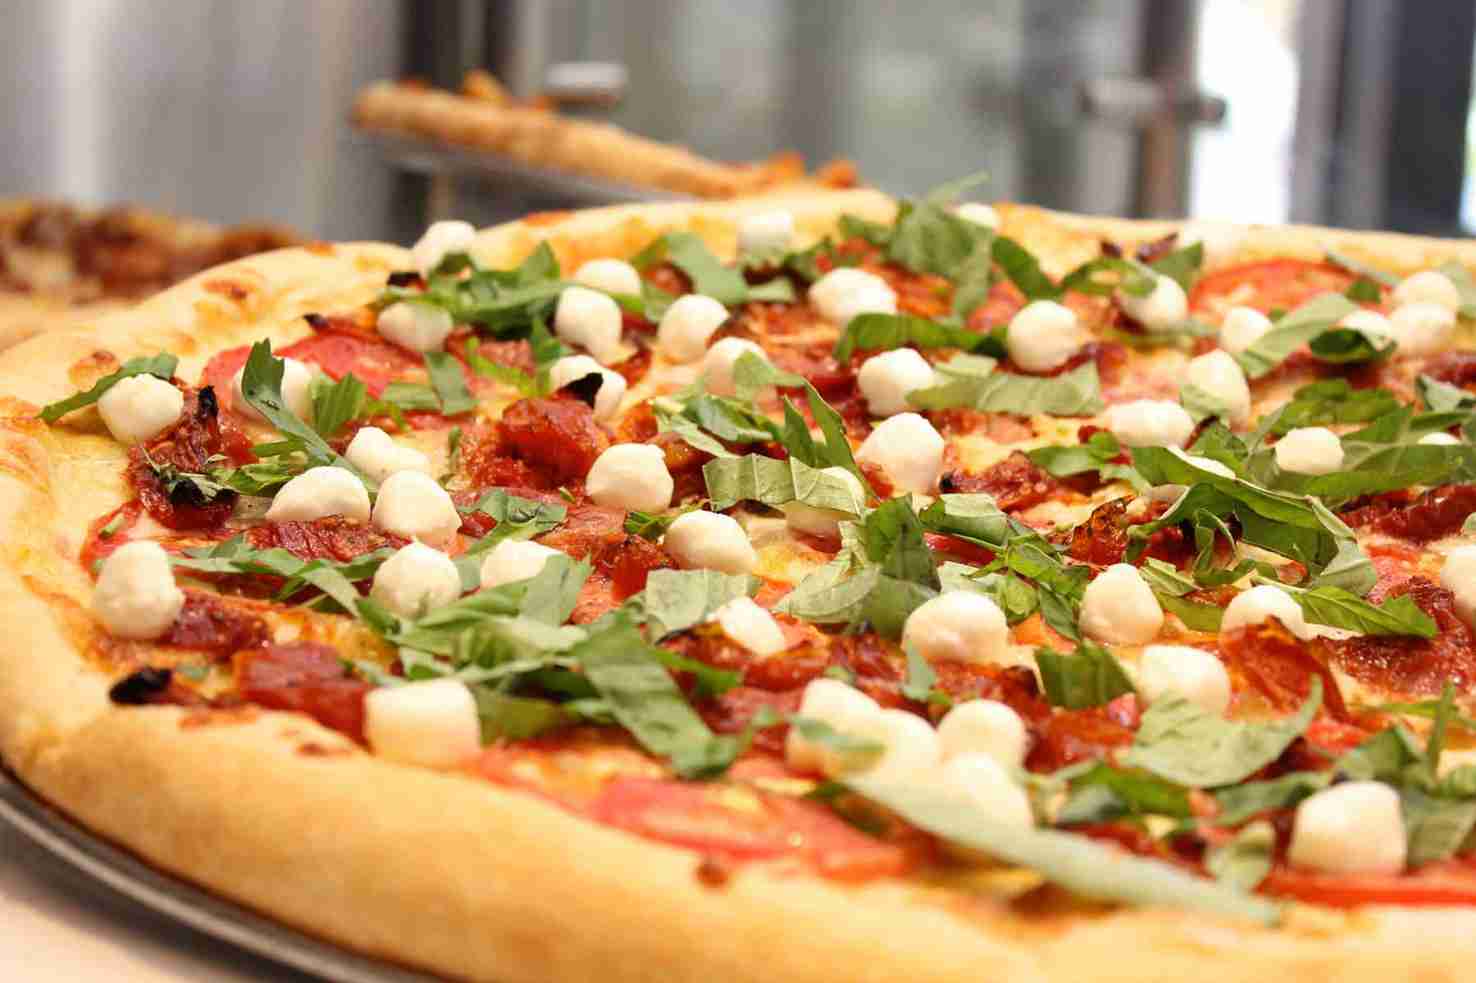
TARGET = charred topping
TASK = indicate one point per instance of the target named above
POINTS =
(317, 321)
(1152, 252)
(208, 407)
(141, 687)
(404, 278)
(585, 388)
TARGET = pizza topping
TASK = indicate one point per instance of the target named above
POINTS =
(559, 437)
(1241, 328)
(988, 787)
(957, 625)
(986, 727)
(687, 325)
(1043, 336)
(1218, 240)
(843, 294)
(612, 276)
(417, 579)
(139, 408)
(320, 492)
(591, 320)
(1163, 308)
(417, 326)
(441, 240)
(979, 213)
(1120, 608)
(432, 723)
(513, 560)
(412, 504)
(818, 520)
(1220, 384)
(1260, 604)
(1150, 423)
(304, 677)
(1428, 287)
(377, 456)
(750, 626)
(765, 232)
(841, 738)
(1419, 518)
(160, 367)
(295, 391)
(710, 541)
(609, 388)
(135, 596)
(142, 687)
(886, 380)
(1309, 450)
(908, 450)
(1352, 828)
(631, 476)
(1458, 575)
(720, 362)
(1194, 674)
(1422, 329)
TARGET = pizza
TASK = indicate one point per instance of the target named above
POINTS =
(484, 116)
(810, 587)
(62, 266)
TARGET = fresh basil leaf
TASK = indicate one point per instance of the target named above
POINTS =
(835, 451)
(1339, 608)
(708, 682)
(1016, 598)
(516, 718)
(1086, 678)
(1442, 397)
(410, 397)
(921, 681)
(1364, 291)
(1457, 273)
(449, 383)
(1362, 270)
(928, 238)
(855, 227)
(1345, 345)
(894, 541)
(856, 752)
(517, 518)
(1185, 743)
(675, 600)
(1384, 757)
(1105, 793)
(1202, 405)
(648, 525)
(261, 385)
(973, 282)
(834, 594)
(1239, 803)
(975, 517)
(1098, 454)
(725, 284)
(1243, 862)
(875, 332)
(728, 419)
(333, 579)
(507, 375)
(159, 366)
(752, 374)
(1182, 265)
(1332, 401)
(1437, 828)
(336, 403)
(554, 590)
(1074, 393)
(1292, 331)
(1023, 270)
(1106, 275)
(757, 478)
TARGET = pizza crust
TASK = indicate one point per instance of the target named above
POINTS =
(455, 874)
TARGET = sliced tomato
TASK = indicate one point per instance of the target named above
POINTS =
(1270, 284)
(307, 677)
(376, 363)
(1439, 885)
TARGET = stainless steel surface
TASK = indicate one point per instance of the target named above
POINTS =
(122, 872)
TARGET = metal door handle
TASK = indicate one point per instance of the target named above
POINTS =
(1139, 102)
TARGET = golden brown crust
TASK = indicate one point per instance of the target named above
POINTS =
(455, 874)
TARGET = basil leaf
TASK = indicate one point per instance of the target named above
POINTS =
(1384, 757)
(1185, 743)
(1292, 331)
(336, 403)
(1457, 273)
(687, 252)
(1016, 598)
(834, 594)
(675, 600)
(1023, 270)
(159, 366)
(871, 332)
(773, 482)
(1182, 265)
(411, 396)
(855, 752)
(1086, 678)
(1098, 454)
(974, 517)
(921, 680)
(708, 682)
(517, 518)
(261, 385)
(1074, 393)
(1362, 270)
(1339, 608)
(553, 591)
(1239, 803)
(1344, 345)
(752, 373)
(895, 542)
(1104, 793)
(1442, 397)
(1127, 275)
(516, 718)
(973, 283)
(928, 238)
(1364, 291)
(507, 375)
(1437, 828)
(335, 580)
(1244, 861)
(449, 383)
(648, 525)
(1329, 402)
(835, 451)
(855, 227)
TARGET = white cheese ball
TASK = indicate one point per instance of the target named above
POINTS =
(978, 213)
(959, 626)
(1043, 336)
(139, 408)
(844, 710)
(414, 505)
(1164, 307)
(1375, 326)
(1428, 287)
(1262, 603)
(717, 364)
(376, 454)
(1351, 828)
(590, 320)
(572, 368)
(417, 579)
(1242, 328)
(318, 493)
(886, 379)
(432, 723)
(687, 325)
(513, 560)
(1119, 608)
(418, 327)
(1458, 576)
(1150, 423)
(613, 276)
(1181, 670)
(752, 627)
(297, 379)
(704, 540)
(908, 449)
(1218, 375)
(911, 749)
(1440, 439)
(1422, 329)
(823, 522)
(1309, 450)
(1219, 240)
(844, 293)
(989, 788)
(767, 231)
(630, 476)
(136, 597)
(984, 727)
(439, 241)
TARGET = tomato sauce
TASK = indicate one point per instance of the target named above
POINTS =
(1276, 284)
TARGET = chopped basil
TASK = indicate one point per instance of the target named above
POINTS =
(1023, 270)
(1073, 393)
(1442, 397)
(261, 385)
(1364, 291)
(648, 525)
(1104, 793)
(675, 600)
(1295, 329)
(856, 752)
(1182, 265)
(507, 375)
(1170, 587)
(1459, 275)
(1239, 803)
(516, 718)
(449, 383)
(336, 403)
(1017, 598)
(752, 373)
(1362, 270)
(1339, 608)
(335, 580)
(872, 332)
(1080, 680)
(709, 276)
(833, 451)
(1108, 274)
(1330, 401)
(517, 518)
(1098, 454)
(159, 366)
(773, 482)
(1244, 861)
(921, 681)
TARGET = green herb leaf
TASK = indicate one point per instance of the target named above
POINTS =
(921, 681)
(1362, 270)
(449, 383)
(872, 332)
(336, 403)
(1086, 678)
(1104, 793)
(768, 480)
(1330, 401)
(160, 366)
(1099, 454)
(1182, 265)
(1074, 393)
(261, 385)
(1023, 270)
(1292, 331)
(1339, 608)
(1239, 803)
(675, 600)
(1457, 273)
(1243, 862)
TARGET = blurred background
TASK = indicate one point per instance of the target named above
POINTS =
(1343, 112)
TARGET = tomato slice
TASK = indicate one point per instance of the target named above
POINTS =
(1268, 285)
(1439, 885)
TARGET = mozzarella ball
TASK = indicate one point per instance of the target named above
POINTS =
(703, 540)
(439, 241)
(418, 327)
(846, 292)
(984, 727)
(1440, 439)
(572, 368)
(908, 449)
(1262, 603)
(687, 325)
(1150, 423)
(1351, 828)
(318, 493)
(989, 788)
(844, 710)
(1163, 308)
(1372, 324)
(630, 476)
(886, 379)
(910, 743)
(1309, 450)
(1428, 287)
(377, 455)
(613, 276)
(1119, 607)
(717, 364)
(1192, 673)
(1422, 329)
(768, 231)
(414, 505)
(591, 320)
(1218, 375)
(1242, 328)
(514, 559)
(139, 408)
(978, 213)
(297, 380)
(1043, 335)
(823, 522)
(959, 626)
(135, 596)
(415, 580)
(1458, 576)
(750, 626)
(432, 723)
(1219, 240)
